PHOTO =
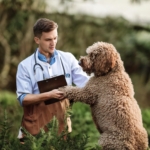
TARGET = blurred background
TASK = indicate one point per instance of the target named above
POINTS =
(125, 24)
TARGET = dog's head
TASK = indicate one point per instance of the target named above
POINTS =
(101, 58)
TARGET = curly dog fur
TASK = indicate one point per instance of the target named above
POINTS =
(110, 95)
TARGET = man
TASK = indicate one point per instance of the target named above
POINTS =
(45, 63)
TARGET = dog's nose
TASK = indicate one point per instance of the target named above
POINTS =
(79, 62)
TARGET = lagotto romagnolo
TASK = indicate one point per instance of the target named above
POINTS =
(110, 94)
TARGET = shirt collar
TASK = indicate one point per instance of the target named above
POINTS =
(43, 58)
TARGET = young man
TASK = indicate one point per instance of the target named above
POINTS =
(45, 63)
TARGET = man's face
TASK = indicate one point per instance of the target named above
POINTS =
(47, 42)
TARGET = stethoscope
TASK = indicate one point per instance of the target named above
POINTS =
(37, 64)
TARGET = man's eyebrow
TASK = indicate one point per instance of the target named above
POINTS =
(50, 38)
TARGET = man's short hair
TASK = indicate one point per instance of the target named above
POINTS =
(43, 25)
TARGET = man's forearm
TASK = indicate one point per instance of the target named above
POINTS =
(30, 99)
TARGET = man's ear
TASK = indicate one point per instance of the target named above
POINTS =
(36, 39)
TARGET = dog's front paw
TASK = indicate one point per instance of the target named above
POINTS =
(62, 89)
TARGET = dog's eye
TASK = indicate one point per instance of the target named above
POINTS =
(92, 56)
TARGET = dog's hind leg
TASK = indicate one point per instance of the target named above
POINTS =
(110, 142)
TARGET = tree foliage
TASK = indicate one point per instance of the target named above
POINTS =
(16, 20)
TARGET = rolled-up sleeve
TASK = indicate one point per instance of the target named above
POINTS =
(21, 98)
(23, 82)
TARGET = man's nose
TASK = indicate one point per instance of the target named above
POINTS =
(53, 42)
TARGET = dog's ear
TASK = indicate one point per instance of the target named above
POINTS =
(105, 59)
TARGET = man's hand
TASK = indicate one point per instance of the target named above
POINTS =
(57, 94)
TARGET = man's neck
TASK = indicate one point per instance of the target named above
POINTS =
(47, 55)
(50, 58)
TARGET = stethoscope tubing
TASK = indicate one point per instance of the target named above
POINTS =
(37, 64)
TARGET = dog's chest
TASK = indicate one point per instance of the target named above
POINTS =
(101, 84)
(110, 85)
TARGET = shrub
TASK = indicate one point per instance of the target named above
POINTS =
(44, 140)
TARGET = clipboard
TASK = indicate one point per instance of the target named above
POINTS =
(50, 84)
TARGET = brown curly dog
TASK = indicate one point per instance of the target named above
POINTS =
(110, 95)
